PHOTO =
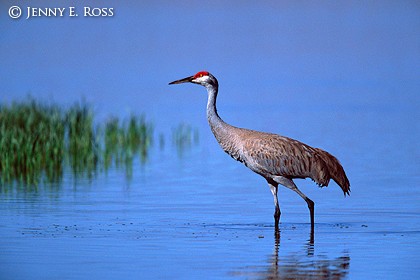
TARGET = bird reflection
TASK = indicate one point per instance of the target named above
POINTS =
(300, 265)
(305, 266)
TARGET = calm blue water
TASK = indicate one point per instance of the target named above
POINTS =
(343, 77)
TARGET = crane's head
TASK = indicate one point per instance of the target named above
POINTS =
(203, 78)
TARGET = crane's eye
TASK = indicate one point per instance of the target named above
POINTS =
(201, 75)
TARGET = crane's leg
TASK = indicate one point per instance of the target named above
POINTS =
(288, 183)
(273, 187)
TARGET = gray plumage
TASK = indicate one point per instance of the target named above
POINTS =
(273, 155)
(277, 158)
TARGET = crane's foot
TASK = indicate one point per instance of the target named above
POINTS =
(311, 238)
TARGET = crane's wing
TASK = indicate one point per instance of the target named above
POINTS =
(275, 155)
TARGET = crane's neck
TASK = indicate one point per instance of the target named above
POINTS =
(215, 122)
(225, 134)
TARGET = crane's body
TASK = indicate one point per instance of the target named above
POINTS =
(277, 158)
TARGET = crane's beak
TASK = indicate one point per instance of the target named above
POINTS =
(185, 80)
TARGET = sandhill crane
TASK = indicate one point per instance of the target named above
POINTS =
(277, 158)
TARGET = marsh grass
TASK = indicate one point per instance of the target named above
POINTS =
(31, 143)
(82, 149)
(38, 141)
(184, 137)
(124, 140)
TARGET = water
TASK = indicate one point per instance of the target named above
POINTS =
(205, 215)
(337, 76)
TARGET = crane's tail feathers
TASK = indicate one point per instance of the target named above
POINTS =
(336, 171)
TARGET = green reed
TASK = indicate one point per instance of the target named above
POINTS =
(83, 145)
(38, 141)
(31, 142)
(183, 137)
(125, 140)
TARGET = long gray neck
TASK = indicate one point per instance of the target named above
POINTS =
(225, 134)
(215, 122)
